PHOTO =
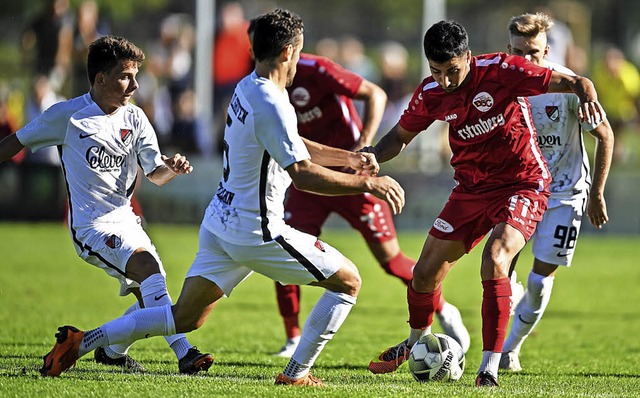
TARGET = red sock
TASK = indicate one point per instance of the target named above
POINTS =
(495, 313)
(422, 307)
(401, 267)
(289, 305)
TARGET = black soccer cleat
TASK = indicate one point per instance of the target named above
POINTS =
(195, 361)
(126, 362)
(486, 379)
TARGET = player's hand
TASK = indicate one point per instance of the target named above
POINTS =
(591, 112)
(597, 211)
(389, 190)
(364, 163)
(178, 164)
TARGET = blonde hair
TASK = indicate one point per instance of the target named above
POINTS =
(530, 25)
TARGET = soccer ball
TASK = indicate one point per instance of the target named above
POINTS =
(436, 357)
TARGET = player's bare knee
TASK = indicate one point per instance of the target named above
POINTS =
(141, 265)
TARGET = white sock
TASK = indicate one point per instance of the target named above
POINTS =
(154, 293)
(529, 310)
(143, 323)
(490, 362)
(323, 322)
(415, 334)
(120, 350)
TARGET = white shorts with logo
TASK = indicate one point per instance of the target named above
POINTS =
(110, 245)
(556, 235)
(293, 258)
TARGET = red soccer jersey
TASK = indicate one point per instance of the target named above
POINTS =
(321, 93)
(491, 132)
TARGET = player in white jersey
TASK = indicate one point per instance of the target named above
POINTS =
(102, 138)
(243, 229)
(572, 192)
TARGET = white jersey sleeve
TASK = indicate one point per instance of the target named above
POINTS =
(50, 127)
(146, 143)
(260, 140)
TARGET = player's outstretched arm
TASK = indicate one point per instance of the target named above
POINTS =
(177, 164)
(310, 177)
(329, 156)
(391, 144)
(9, 147)
(597, 206)
(590, 109)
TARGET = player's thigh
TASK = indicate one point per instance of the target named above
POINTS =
(557, 234)
(109, 246)
(214, 262)
(294, 258)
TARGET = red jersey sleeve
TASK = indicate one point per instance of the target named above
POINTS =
(339, 80)
(417, 116)
(523, 77)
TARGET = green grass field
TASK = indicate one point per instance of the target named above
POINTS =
(587, 344)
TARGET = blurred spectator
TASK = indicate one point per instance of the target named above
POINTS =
(354, 58)
(88, 27)
(330, 48)
(8, 125)
(186, 133)
(171, 63)
(432, 152)
(47, 42)
(618, 84)
(231, 61)
(41, 179)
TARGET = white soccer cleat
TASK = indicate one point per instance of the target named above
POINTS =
(517, 292)
(452, 325)
(510, 361)
(288, 348)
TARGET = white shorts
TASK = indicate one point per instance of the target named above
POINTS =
(556, 235)
(293, 258)
(110, 245)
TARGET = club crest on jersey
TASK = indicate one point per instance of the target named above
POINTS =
(319, 245)
(114, 241)
(125, 136)
(300, 96)
(483, 101)
(552, 112)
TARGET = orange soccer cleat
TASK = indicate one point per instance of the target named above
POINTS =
(307, 380)
(64, 354)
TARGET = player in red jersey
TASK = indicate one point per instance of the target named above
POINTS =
(322, 94)
(502, 178)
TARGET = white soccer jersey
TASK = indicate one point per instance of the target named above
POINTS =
(560, 140)
(100, 155)
(260, 140)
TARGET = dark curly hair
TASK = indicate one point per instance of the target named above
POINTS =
(273, 31)
(445, 40)
(107, 51)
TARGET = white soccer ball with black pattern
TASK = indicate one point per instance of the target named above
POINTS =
(436, 357)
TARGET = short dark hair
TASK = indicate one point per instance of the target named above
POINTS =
(445, 40)
(274, 31)
(107, 51)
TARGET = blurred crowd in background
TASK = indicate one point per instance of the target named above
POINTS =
(53, 47)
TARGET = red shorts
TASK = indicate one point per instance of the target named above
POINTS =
(468, 217)
(371, 216)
